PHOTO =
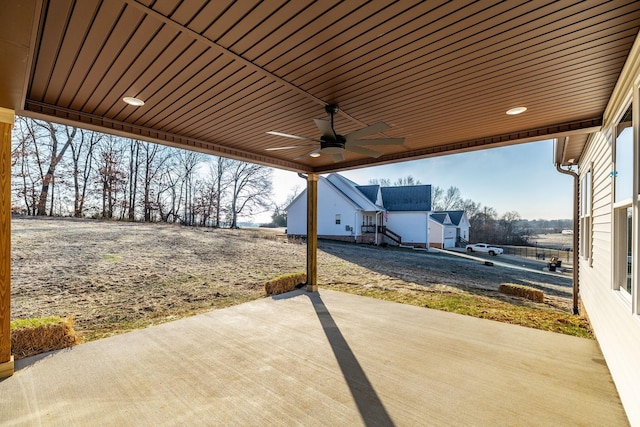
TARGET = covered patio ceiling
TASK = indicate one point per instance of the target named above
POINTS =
(217, 76)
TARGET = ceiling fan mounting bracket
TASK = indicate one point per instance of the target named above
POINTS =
(331, 109)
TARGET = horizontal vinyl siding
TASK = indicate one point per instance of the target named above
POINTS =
(616, 329)
(600, 271)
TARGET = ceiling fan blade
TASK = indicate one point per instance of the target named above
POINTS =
(379, 141)
(337, 157)
(288, 135)
(366, 131)
(317, 150)
(364, 151)
(289, 147)
(325, 128)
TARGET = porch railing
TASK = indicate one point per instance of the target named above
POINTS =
(371, 228)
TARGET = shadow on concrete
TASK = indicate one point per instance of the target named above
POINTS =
(370, 406)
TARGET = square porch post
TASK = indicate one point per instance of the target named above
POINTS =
(312, 232)
(6, 359)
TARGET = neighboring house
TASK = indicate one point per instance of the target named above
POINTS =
(373, 214)
(447, 228)
(609, 232)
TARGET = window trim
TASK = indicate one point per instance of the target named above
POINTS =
(586, 216)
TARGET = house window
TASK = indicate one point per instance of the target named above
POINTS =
(623, 249)
(623, 210)
(623, 162)
(337, 218)
(586, 189)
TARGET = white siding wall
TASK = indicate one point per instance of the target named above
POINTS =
(464, 228)
(297, 215)
(615, 327)
(412, 226)
(330, 203)
(436, 233)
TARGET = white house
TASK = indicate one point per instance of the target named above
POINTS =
(609, 231)
(373, 214)
(447, 228)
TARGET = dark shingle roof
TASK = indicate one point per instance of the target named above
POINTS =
(439, 217)
(407, 198)
(369, 191)
(455, 216)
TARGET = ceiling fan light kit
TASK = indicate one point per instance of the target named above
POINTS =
(335, 144)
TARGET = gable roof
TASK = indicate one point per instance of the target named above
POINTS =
(440, 217)
(407, 198)
(369, 191)
(455, 216)
(349, 190)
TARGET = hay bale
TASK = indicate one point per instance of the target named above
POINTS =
(285, 283)
(532, 294)
(31, 340)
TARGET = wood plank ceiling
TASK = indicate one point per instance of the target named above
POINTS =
(217, 75)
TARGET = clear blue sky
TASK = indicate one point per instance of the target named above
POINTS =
(519, 178)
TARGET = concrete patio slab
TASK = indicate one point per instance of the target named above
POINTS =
(316, 359)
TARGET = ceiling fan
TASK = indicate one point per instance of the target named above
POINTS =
(335, 144)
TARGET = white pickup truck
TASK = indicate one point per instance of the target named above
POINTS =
(484, 247)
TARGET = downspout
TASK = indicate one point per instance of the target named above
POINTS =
(576, 284)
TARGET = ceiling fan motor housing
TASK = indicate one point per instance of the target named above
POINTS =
(332, 146)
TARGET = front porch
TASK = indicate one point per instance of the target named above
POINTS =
(324, 358)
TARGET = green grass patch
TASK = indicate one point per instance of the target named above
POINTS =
(539, 317)
(40, 335)
(35, 322)
(112, 257)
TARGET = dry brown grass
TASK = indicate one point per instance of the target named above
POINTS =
(535, 295)
(285, 283)
(113, 277)
(41, 338)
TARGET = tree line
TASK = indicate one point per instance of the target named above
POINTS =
(62, 170)
(486, 225)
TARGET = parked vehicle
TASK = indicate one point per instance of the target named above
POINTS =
(485, 248)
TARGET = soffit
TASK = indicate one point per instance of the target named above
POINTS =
(216, 76)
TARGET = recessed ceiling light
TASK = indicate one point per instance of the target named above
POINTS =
(133, 101)
(516, 110)
(314, 155)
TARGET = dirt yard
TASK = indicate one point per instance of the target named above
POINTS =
(114, 276)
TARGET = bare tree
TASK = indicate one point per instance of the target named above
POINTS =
(437, 194)
(82, 157)
(407, 180)
(250, 189)
(54, 159)
(134, 165)
(188, 161)
(279, 217)
(111, 175)
(220, 169)
(25, 163)
(205, 199)
(382, 182)
(155, 160)
(452, 199)
(508, 222)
